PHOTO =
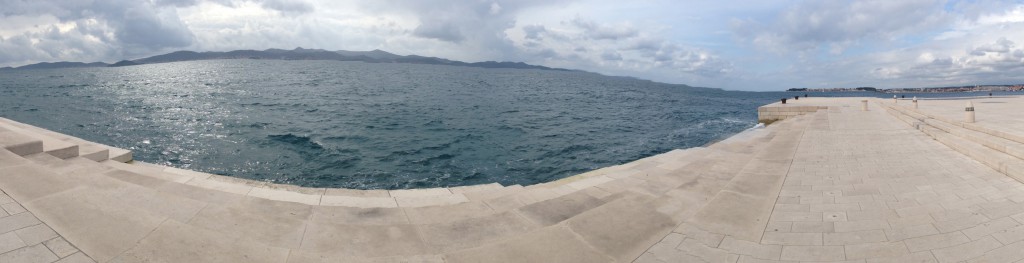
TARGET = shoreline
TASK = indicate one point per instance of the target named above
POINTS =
(318, 195)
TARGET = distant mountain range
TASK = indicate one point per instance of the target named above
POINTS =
(374, 56)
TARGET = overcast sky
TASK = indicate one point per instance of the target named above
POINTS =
(736, 45)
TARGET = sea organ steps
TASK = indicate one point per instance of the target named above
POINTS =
(160, 215)
(89, 150)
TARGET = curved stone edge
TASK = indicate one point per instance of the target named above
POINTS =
(407, 198)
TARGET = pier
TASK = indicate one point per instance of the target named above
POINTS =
(831, 181)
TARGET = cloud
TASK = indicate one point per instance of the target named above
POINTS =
(813, 25)
(534, 32)
(440, 30)
(616, 48)
(593, 30)
(144, 28)
(291, 7)
(106, 30)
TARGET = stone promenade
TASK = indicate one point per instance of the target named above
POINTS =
(894, 183)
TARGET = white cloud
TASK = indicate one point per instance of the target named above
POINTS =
(835, 25)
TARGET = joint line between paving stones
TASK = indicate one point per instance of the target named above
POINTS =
(58, 236)
(138, 242)
(580, 238)
(305, 226)
(788, 169)
(205, 205)
(44, 224)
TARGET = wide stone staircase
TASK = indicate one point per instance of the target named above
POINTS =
(1003, 151)
(115, 211)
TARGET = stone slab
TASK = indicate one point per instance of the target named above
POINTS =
(177, 242)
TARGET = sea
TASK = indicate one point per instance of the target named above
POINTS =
(378, 125)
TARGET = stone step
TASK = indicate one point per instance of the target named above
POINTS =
(1000, 144)
(999, 161)
(18, 143)
(957, 123)
(975, 145)
(89, 150)
(742, 206)
(58, 148)
(741, 209)
(173, 241)
(73, 165)
(101, 216)
(319, 196)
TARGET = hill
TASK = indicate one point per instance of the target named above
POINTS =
(373, 56)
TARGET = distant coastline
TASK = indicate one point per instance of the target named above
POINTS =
(975, 88)
(373, 56)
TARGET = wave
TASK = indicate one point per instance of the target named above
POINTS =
(296, 140)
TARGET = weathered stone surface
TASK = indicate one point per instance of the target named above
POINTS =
(549, 244)
(28, 182)
(36, 253)
(556, 210)
(364, 240)
(99, 226)
(177, 242)
(274, 227)
(359, 216)
(622, 228)
(471, 232)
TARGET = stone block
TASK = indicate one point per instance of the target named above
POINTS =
(622, 228)
(472, 232)
(858, 237)
(753, 249)
(359, 216)
(813, 253)
(876, 250)
(36, 253)
(991, 227)
(556, 210)
(35, 234)
(447, 213)
(781, 238)
(9, 241)
(897, 234)
(101, 227)
(1013, 252)
(356, 201)
(20, 144)
(285, 195)
(77, 257)
(275, 226)
(936, 241)
(60, 247)
(178, 242)
(228, 187)
(962, 252)
(364, 240)
(419, 192)
(738, 215)
(405, 200)
(549, 244)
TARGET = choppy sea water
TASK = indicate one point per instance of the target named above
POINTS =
(375, 126)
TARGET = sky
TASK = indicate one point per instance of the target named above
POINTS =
(760, 45)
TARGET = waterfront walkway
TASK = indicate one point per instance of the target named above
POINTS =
(891, 184)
